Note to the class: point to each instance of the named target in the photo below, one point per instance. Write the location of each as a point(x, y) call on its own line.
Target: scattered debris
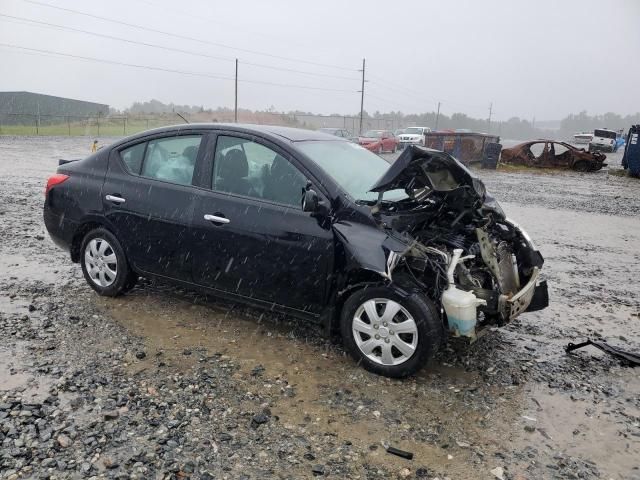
point(498, 472)
point(397, 451)
point(633, 359)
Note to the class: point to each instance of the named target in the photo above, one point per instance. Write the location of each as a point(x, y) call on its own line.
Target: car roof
point(275, 131)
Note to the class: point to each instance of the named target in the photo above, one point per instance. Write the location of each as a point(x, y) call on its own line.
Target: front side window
point(244, 167)
point(172, 159)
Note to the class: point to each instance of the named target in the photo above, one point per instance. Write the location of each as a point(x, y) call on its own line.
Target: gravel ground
point(168, 384)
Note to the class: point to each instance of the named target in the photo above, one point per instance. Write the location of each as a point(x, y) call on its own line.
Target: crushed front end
point(480, 267)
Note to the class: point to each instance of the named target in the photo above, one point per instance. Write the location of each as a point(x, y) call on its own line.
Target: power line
point(185, 37)
point(210, 20)
point(415, 94)
point(173, 49)
point(170, 70)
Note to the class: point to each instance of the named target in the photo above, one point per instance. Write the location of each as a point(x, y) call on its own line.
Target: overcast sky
point(541, 59)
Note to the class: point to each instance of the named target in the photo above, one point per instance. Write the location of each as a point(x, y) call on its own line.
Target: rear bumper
point(61, 229)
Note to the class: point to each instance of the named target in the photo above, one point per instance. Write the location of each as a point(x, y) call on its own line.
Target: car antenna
point(185, 120)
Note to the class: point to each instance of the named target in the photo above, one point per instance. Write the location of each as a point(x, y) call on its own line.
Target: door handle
point(216, 219)
point(114, 199)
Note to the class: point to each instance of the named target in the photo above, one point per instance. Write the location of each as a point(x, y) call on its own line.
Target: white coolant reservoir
point(460, 305)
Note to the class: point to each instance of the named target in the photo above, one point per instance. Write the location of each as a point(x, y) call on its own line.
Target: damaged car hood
point(419, 167)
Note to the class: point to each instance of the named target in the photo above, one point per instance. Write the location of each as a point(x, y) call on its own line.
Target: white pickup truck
point(603, 140)
point(413, 136)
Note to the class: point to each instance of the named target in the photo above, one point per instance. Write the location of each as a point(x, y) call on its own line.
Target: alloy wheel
point(384, 331)
point(100, 262)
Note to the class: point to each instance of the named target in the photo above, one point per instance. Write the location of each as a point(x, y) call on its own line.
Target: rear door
point(251, 237)
point(148, 200)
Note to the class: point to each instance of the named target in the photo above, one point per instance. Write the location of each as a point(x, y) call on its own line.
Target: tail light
point(54, 180)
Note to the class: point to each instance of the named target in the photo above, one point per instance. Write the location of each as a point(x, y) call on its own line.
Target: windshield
point(604, 134)
point(352, 167)
point(414, 131)
point(373, 133)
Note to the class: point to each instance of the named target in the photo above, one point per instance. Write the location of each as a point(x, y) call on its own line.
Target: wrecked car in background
point(467, 147)
point(303, 223)
point(551, 154)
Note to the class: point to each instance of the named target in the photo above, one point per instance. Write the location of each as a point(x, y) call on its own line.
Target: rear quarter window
point(132, 157)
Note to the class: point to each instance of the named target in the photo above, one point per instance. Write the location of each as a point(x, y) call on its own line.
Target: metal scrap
point(633, 359)
point(397, 451)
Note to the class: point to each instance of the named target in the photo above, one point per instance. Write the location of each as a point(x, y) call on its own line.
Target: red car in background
point(379, 141)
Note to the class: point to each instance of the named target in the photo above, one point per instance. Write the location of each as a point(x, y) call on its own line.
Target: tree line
point(513, 128)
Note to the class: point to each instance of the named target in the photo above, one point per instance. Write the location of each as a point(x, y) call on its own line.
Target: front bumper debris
point(521, 301)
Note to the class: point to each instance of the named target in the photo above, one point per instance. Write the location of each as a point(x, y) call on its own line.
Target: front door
point(251, 237)
point(148, 201)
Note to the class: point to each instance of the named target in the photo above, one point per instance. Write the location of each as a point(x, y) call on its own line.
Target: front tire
point(581, 166)
point(104, 264)
point(390, 333)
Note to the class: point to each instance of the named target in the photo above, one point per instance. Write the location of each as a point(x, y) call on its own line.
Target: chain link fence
point(122, 125)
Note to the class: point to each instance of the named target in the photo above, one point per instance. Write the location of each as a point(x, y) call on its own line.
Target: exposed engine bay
point(461, 250)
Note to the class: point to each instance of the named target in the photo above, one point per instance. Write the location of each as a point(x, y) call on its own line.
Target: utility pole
point(490, 112)
point(236, 102)
point(437, 116)
point(362, 97)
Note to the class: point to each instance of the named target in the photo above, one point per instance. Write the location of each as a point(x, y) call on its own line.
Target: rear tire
point(104, 264)
point(396, 342)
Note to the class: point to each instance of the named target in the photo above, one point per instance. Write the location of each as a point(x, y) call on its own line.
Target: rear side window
point(132, 157)
point(172, 159)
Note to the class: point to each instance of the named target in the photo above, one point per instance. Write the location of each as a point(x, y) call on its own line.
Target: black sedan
point(304, 223)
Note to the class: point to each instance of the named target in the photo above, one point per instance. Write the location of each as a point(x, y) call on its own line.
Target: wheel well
point(355, 281)
point(76, 242)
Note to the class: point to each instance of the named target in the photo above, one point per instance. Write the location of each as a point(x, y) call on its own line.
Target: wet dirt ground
point(166, 383)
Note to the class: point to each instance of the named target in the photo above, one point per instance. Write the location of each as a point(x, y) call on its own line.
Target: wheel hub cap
point(100, 262)
point(384, 331)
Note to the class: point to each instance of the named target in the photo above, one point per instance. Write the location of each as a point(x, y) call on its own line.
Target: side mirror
point(310, 200)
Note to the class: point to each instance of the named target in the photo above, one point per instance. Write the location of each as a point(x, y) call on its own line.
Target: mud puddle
point(570, 425)
point(16, 375)
point(440, 415)
point(15, 266)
